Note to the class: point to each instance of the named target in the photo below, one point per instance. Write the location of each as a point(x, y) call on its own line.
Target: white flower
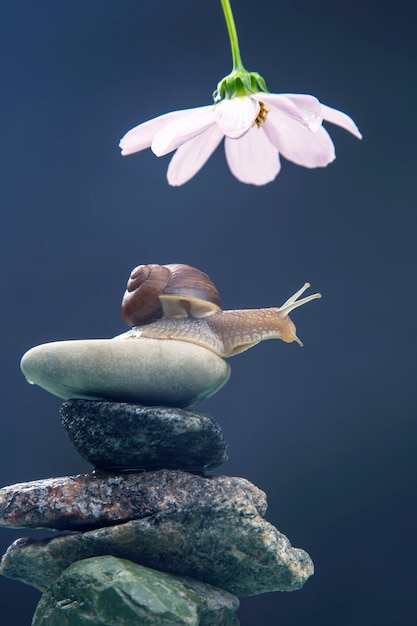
point(257, 128)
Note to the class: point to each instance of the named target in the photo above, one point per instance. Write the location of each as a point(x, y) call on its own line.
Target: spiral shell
point(176, 290)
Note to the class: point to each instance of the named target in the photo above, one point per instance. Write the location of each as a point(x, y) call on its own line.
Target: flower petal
point(296, 143)
point(180, 130)
point(141, 136)
point(301, 107)
point(341, 119)
point(235, 116)
point(252, 158)
point(192, 155)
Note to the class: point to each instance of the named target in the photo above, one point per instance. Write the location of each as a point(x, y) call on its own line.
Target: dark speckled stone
point(113, 435)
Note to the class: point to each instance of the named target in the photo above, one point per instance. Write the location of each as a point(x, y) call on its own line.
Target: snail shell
point(175, 290)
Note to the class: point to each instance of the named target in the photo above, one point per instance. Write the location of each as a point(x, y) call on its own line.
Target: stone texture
point(94, 500)
point(107, 591)
point(153, 437)
point(230, 546)
point(125, 369)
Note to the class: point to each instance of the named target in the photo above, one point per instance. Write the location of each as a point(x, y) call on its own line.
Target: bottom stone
point(107, 591)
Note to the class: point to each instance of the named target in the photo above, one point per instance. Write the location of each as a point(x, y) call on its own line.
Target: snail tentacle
point(293, 302)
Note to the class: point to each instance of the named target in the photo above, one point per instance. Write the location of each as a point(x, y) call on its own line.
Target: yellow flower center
point(262, 115)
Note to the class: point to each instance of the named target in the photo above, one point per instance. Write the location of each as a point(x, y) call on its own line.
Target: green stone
point(108, 591)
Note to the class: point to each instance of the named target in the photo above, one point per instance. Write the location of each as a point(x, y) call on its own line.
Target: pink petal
point(180, 130)
point(252, 158)
point(140, 137)
point(296, 143)
point(301, 107)
point(192, 155)
point(235, 116)
point(341, 119)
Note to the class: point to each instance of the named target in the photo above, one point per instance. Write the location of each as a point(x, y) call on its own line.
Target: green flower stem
point(234, 42)
point(239, 82)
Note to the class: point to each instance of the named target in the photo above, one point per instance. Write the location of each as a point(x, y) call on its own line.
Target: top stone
point(125, 369)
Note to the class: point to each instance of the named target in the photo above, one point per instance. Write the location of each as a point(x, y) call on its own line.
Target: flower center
point(262, 115)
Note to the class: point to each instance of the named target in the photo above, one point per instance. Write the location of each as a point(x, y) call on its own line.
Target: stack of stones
point(151, 535)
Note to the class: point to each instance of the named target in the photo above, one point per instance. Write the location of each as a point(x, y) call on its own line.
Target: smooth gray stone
point(230, 546)
point(112, 435)
point(91, 501)
point(107, 591)
point(127, 369)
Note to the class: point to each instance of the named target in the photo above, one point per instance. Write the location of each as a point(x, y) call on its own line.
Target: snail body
point(175, 312)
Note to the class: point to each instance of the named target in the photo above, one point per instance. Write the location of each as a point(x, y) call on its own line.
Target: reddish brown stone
point(95, 500)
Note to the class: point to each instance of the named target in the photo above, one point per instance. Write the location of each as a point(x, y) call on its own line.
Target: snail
point(180, 302)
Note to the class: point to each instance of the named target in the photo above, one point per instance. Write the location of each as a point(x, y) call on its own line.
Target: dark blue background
point(328, 431)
